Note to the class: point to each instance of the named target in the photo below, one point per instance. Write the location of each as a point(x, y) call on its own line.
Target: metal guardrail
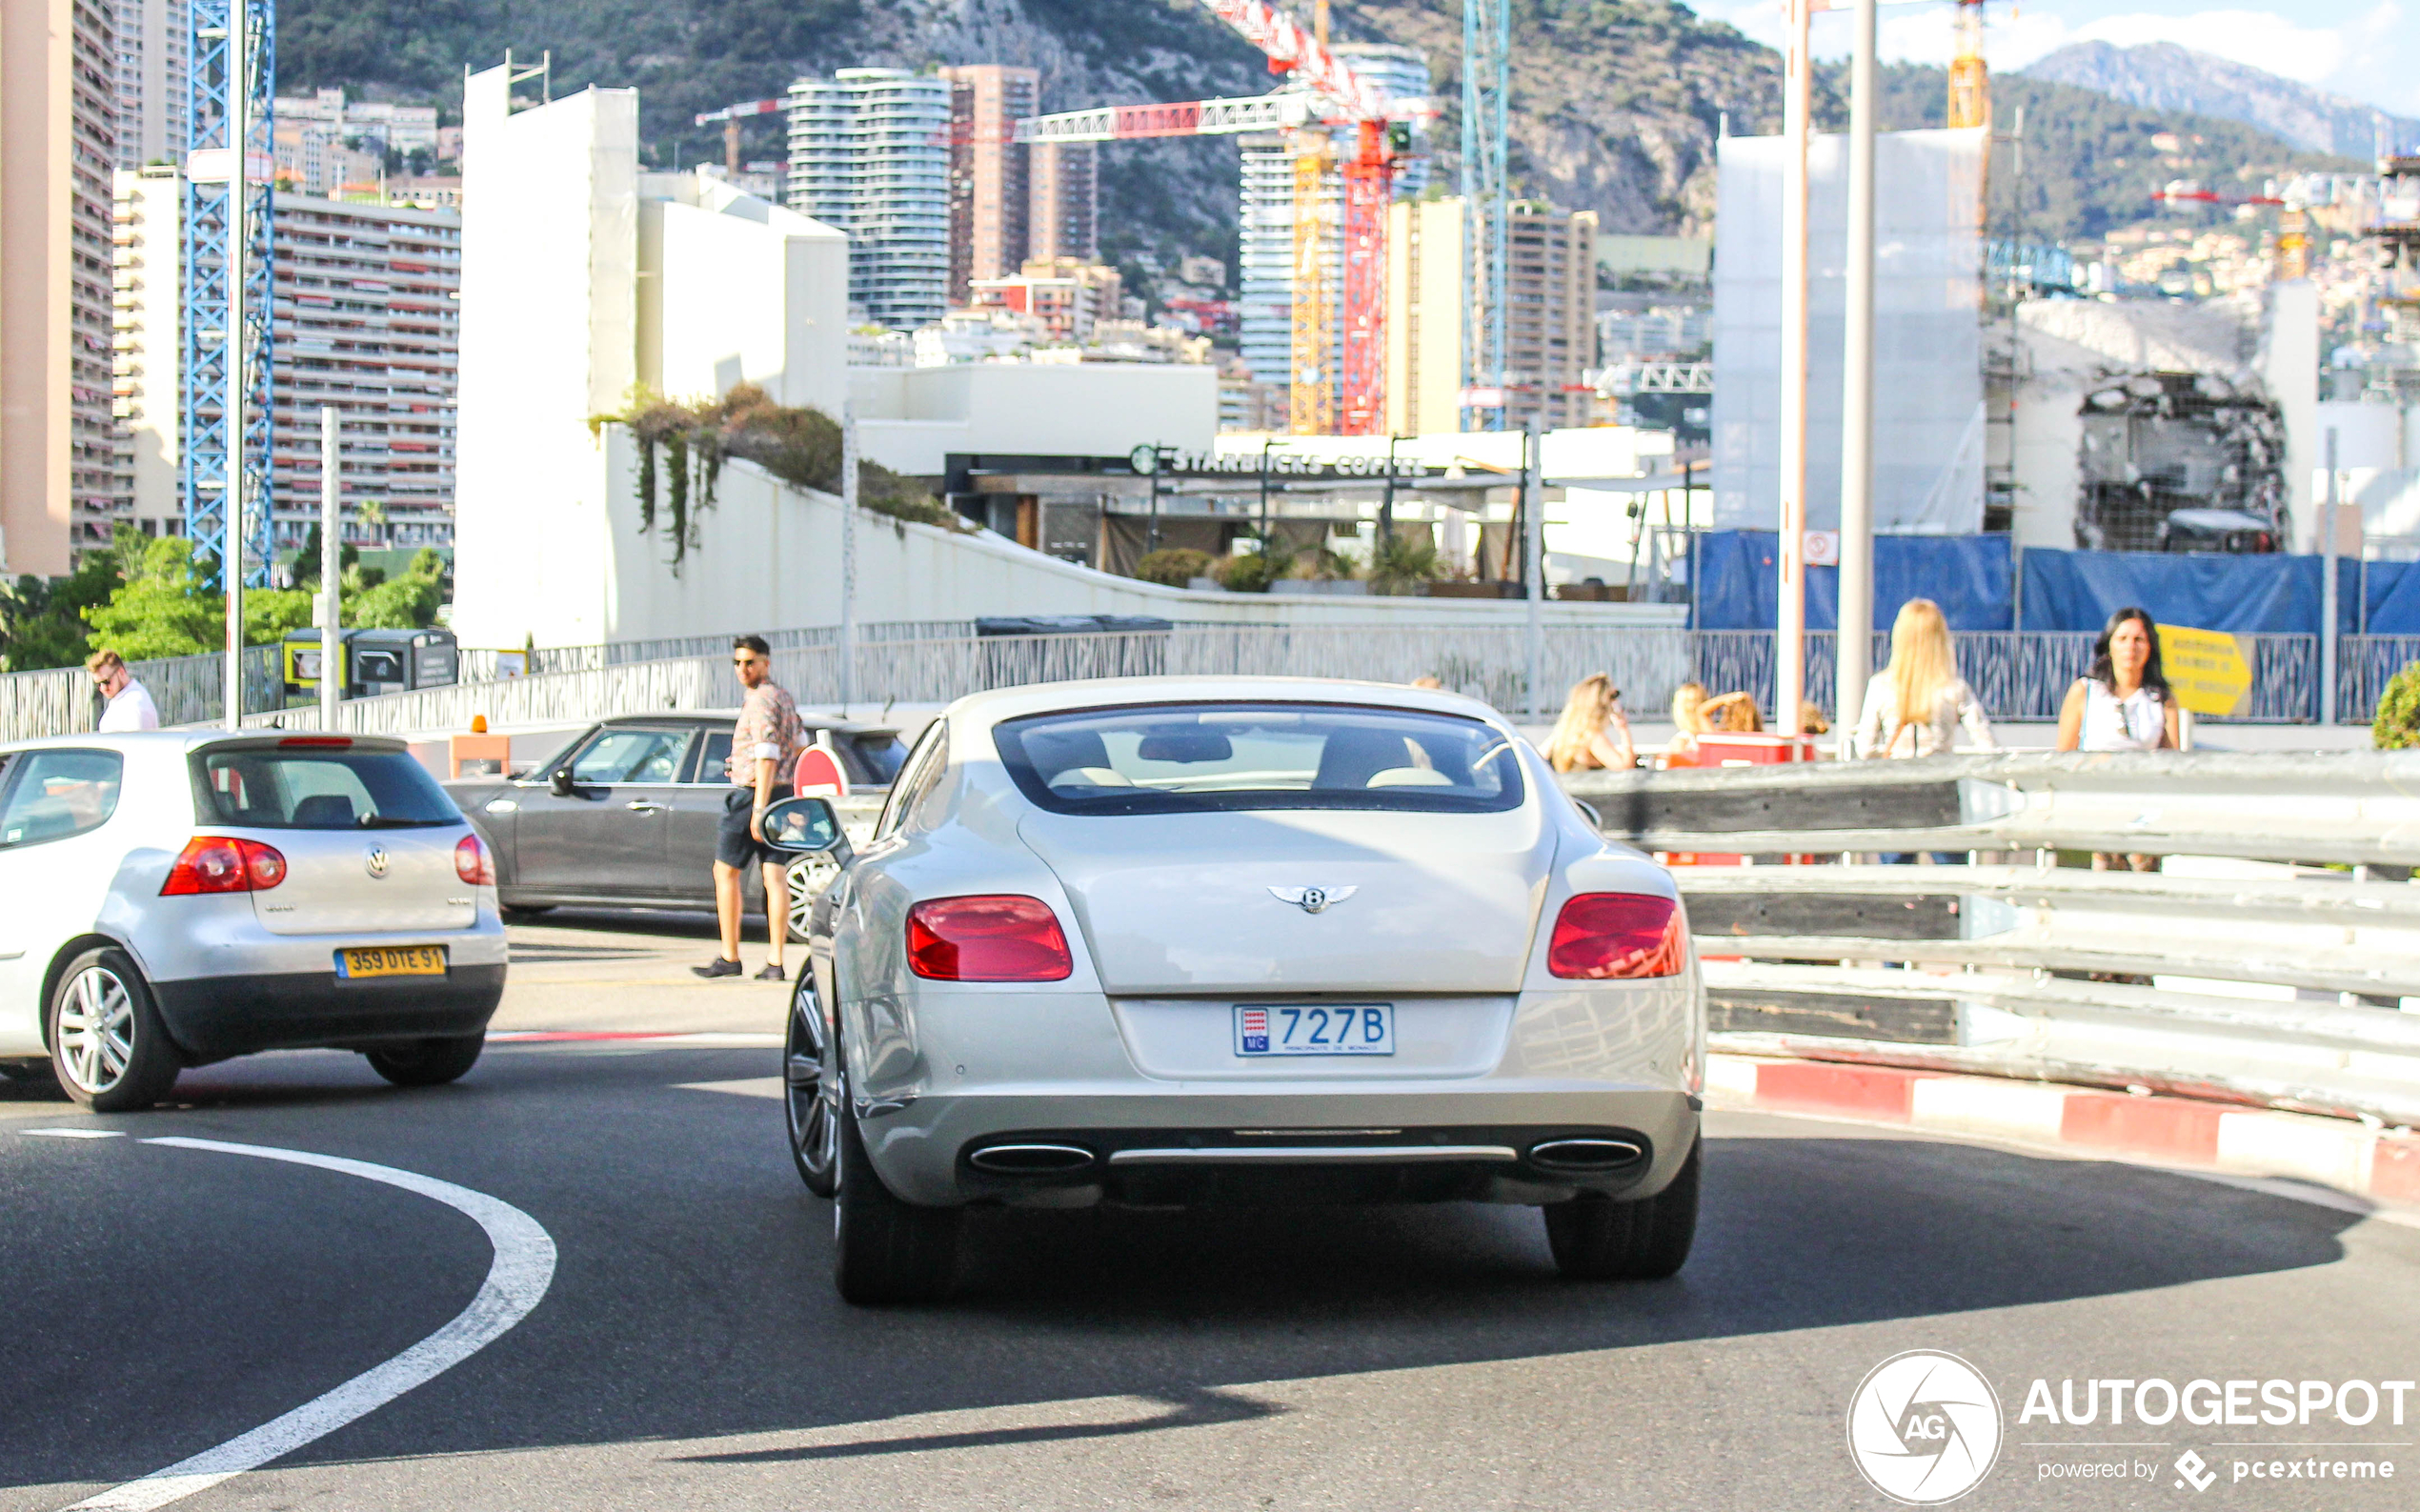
point(2276, 958)
point(1488, 663)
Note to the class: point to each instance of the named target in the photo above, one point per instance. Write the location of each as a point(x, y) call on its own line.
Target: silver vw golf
point(1214, 939)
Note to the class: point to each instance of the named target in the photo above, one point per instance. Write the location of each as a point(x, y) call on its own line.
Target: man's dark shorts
point(733, 844)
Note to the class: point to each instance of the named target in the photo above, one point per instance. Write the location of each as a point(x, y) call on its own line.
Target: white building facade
point(870, 156)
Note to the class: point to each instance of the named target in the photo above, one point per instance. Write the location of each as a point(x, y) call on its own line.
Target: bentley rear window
point(1174, 758)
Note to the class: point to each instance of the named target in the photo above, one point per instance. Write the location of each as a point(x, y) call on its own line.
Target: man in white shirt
point(129, 705)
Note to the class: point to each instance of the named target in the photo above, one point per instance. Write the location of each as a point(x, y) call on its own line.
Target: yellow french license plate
point(392, 961)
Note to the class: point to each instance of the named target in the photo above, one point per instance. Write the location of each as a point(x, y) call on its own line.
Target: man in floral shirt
point(764, 749)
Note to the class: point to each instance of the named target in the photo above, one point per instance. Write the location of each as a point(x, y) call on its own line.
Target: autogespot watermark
point(1926, 1428)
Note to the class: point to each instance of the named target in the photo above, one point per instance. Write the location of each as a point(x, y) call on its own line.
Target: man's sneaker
point(720, 967)
point(770, 972)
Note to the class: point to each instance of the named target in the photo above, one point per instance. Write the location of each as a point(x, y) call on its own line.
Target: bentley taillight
point(1618, 934)
point(987, 937)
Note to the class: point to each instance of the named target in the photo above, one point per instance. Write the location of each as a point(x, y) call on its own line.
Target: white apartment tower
point(870, 155)
point(147, 349)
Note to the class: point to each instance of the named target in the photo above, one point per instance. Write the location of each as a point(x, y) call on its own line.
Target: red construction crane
point(730, 115)
point(1326, 94)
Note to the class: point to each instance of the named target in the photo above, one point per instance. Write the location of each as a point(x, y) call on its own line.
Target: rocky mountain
point(2165, 77)
point(1616, 103)
point(1615, 108)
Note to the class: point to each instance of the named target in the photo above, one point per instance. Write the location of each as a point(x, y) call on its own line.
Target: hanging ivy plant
point(798, 445)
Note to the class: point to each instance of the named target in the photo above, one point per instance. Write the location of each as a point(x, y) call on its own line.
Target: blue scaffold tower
point(1486, 203)
point(226, 483)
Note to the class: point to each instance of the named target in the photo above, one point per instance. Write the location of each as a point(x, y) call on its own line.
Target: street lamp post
point(1854, 643)
point(1789, 640)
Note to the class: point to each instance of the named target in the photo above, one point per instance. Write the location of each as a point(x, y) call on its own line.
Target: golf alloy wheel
point(808, 877)
point(96, 1029)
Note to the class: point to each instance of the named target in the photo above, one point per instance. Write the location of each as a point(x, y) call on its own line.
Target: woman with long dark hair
point(2123, 703)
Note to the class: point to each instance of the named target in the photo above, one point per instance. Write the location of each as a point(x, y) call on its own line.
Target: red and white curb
point(2381, 1164)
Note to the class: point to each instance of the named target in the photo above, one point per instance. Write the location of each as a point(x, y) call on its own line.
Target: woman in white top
point(1919, 704)
point(2123, 703)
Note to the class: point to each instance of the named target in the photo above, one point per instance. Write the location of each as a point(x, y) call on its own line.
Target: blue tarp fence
point(1974, 580)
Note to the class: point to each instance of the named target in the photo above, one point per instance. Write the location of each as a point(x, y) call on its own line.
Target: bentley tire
point(1596, 1239)
point(885, 1251)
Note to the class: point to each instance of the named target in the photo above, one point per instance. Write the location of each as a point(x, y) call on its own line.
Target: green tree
point(168, 606)
point(2398, 724)
point(41, 620)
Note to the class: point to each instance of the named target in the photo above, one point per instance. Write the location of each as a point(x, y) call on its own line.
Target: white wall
point(769, 557)
point(550, 245)
point(733, 289)
point(2290, 367)
point(1928, 437)
point(910, 419)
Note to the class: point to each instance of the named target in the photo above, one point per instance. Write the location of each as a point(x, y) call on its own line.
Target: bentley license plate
point(1315, 1029)
point(390, 960)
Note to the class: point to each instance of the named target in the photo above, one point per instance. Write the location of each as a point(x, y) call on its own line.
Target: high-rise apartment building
point(990, 186)
point(1426, 297)
point(870, 155)
point(152, 43)
point(1549, 315)
point(1265, 261)
point(58, 459)
point(1064, 220)
point(1550, 297)
point(366, 321)
point(147, 356)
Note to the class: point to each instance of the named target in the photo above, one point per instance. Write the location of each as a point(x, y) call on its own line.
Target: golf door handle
point(644, 806)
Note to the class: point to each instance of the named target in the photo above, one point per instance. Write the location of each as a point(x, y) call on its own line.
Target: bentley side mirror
point(804, 827)
point(559, 782)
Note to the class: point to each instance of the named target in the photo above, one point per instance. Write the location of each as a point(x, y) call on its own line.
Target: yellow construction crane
point(1969, 83)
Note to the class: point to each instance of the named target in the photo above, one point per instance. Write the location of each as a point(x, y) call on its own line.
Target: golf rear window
point(317, 788)
point(1175, 758)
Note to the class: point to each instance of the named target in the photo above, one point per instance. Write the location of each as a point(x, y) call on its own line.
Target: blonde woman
point(1688, 721)
point(1919, 704)
point(1580, 741)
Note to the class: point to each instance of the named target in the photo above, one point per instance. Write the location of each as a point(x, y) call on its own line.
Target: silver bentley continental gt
point(1181, 940)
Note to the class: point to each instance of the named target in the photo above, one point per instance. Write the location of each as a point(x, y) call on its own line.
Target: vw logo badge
point(373, 861)
point(1312, 899)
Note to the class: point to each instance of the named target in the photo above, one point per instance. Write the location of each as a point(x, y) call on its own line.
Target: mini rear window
point(1176, 759)
point(317, 788)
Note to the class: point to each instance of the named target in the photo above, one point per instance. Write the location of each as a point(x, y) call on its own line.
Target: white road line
point(523, 1268)
point(76, 1133)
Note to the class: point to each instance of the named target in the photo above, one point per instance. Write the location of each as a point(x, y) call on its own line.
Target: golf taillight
point(471, 862)
point(1618, 934)
point(224, 863)
point(991, 937)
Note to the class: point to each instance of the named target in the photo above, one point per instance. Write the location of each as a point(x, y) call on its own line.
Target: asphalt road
point(690, 1352)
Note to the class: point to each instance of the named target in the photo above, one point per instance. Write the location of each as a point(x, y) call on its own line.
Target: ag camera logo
point(1924, 1427)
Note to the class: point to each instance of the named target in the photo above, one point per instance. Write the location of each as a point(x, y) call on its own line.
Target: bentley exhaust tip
point(1030, 1159)
point(1590, 1157)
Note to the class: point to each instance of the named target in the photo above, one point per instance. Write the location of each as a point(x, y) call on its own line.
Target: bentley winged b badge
point(1312, 899)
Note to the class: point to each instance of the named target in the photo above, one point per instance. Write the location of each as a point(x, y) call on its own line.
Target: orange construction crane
point(730, 115)
point(1323, 100)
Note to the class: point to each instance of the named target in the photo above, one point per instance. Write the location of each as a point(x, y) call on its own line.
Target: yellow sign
point(2207, 670)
